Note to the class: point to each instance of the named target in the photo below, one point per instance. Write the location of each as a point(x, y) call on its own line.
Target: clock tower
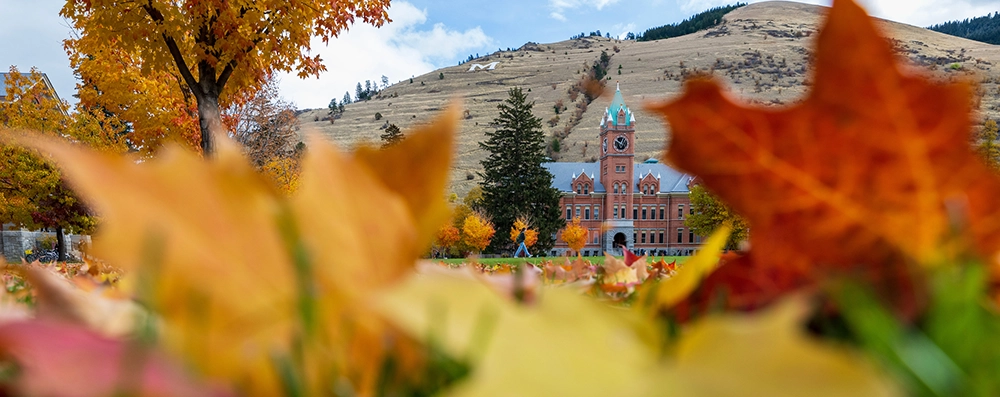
point(617, 139)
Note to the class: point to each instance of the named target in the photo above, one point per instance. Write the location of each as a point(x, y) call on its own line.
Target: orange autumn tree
point(220, 50)
point(157, 106)
point(574, 235)
point(447, 237)
point(530, 234)
point(477, 231)
point(869, 173)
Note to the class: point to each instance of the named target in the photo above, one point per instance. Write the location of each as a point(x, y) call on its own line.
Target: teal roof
point(618, 104)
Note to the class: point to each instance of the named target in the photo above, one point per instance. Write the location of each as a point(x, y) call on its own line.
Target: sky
point(428, 34)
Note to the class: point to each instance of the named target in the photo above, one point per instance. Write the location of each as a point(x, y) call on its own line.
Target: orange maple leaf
point(862, 172)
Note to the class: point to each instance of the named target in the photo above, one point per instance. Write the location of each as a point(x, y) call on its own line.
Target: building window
point(691, 209)
point(643, 212)
point(644, 237)
point(586, 189)
point(616, 212)
point(690, 236)
point(578, 188)
point(624, 188)
point(623, 212)
point(661, 212)
point(680, 211)
point(586, 213)
point(661, 236)
point(680, 235)
point(578, 211)
point(635, 237)
point(635, 212)
point(569, 213)
point(597, 212)
point(616, 188)
point(596, 237)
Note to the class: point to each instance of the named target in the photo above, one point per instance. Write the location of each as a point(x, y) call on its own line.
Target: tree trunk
point(61, 243)
point(210, 120)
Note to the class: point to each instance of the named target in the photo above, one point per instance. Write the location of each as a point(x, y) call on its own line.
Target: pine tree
point(391, 136)
point(514, 181)
point(988, 147)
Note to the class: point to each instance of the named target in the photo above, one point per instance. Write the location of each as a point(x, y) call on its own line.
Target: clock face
point(605, 145)
point(621, 143)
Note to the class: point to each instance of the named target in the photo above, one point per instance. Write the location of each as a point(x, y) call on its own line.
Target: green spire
point(618, 103)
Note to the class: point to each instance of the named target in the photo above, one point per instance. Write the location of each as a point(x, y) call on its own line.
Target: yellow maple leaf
point(764, 354)
point(244, 277)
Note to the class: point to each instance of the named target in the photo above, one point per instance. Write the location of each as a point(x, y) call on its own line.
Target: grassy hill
point(760, 50)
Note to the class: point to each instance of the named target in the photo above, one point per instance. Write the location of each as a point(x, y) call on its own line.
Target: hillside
point(760, 50)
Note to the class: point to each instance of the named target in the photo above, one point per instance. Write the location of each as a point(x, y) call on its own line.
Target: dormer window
point(578, 188)
point(586, 189)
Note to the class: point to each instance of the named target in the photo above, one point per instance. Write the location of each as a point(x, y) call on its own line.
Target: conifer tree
point(391, 136)
point(988, 147)
point(514, 181)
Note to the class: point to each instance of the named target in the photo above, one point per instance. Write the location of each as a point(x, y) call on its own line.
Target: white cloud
point(914, 12)
point(559, 6)
point(397, 50)
point(624, 30)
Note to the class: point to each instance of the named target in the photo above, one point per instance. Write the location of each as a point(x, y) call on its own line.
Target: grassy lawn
point(538, 259)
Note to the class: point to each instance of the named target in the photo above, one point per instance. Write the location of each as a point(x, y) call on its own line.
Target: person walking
point(520, 246)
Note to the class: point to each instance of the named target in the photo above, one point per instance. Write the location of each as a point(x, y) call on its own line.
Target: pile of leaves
point(874, 231)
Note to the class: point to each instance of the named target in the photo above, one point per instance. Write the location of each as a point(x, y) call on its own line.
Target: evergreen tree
point(391, 136)
point(514, 181)
point(346, 100)
point(988, 147)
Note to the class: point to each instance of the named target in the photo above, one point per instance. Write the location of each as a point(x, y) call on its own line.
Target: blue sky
point(428, 34)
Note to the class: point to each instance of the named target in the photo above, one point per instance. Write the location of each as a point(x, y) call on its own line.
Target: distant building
point(640, 206)
point(50, 90)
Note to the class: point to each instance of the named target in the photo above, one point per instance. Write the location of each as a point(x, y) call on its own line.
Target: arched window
point(586, 188)
point(624, 188)
point(578, 188)
point(616, 188)
point(645, 189)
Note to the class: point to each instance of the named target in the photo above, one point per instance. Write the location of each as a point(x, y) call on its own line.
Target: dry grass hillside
point(761, 51)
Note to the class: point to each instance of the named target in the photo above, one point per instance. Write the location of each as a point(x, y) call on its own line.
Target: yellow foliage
point(477, 231)
point(574, 235)
point(247, 280)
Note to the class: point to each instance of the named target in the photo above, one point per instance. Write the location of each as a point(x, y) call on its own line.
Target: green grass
point(539, 259)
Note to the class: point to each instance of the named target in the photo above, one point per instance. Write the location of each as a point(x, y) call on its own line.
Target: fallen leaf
point(762, 354)
point(65, 360)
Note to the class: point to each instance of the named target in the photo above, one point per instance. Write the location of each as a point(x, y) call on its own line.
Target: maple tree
point(477, 231)
point(447, 237)
point(156, 105)
point(574, 235)
point(220, 51)
point(32, 192)
point(710, 213)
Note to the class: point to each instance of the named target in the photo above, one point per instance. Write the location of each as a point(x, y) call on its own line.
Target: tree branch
point(175, 51)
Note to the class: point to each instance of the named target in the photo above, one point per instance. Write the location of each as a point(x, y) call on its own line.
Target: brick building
point(640, 206)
